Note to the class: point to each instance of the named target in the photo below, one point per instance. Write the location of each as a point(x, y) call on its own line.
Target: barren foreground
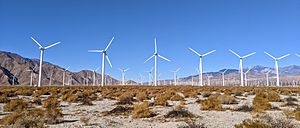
point(143, 107)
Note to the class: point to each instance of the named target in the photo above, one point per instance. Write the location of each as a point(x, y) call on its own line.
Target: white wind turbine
point(94, 75)
point(150, 76)
point(64, 75)
point(223, 77)
point(175, 76)
point(155, 55)
point(50, 80)
point(241, 64)
point(200, 64)
point(123, 75)
point(276, 66)
point(31, 70)
point(42, 49)
point(104, 55)
point(246, 80)
point(267, 76)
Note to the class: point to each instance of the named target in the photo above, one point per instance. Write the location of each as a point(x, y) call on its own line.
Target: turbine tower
point(155, 55)
point(246, 80)
point(150, 75)
point(175, 76)
point(123, 75)
point(241, 64)
point(276, 66)
point(42, 49)
point(104, 55)
point(64, 75)
point(31, 70)
point(200, 64)
point(223, 77)
point(267, 76)
point(94, 75)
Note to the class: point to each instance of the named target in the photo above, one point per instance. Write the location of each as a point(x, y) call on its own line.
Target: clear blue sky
point(241, 25)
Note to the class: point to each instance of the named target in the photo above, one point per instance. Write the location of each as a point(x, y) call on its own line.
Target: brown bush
point(119, 110)
point(15, 104)
point(179, 112)
point(125, 98)
point(273, 97)
point(161, 100)
point(252, 124)
point(51, 103)
point(297, 115)
point(85, 120)
point(261, 103)
point(141, 96)
point(4, 99)
point(142, 110)
point(211, 104)
point(177, 97)
point(226, 99)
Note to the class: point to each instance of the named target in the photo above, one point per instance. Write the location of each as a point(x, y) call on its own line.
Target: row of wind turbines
point(155, 56)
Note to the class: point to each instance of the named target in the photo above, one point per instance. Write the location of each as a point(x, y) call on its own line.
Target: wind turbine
point(276, 65)
point(123, 75)
point(94, 75)
point(50, 80)
point(241, 64)
point(64, 74)
point(267, 76)
point(31, 70)
point(155, 55)
point(223, 77)
point(150, 75)
point(104, 55)
point(42, 49)
point(175, 76)
point(200, 63)
point(246, 80)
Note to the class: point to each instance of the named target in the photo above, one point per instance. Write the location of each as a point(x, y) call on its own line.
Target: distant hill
point(12, 64)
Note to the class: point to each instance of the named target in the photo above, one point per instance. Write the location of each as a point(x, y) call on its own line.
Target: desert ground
point(149, 107)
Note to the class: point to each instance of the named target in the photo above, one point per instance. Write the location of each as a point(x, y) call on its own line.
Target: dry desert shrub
point(273, 97)
point(51, 103)
point(211, 104)
point(69, 97)
point(179, 112)
point(35, 118)
point(24, 92)
point(142, 110)
point(119, 110)
point(141, 96)
point(161, 100)
point(245, 108)
point(85, 120)
point(191, 123)
point(125, 98)
point(177, 97)
point(205, 93)
point(252, 124)
point(297, 115)
point(15, 104)
point(4, 99)
point(261, 103)
point(226, 99)
point(290, 101)
point(288, 113)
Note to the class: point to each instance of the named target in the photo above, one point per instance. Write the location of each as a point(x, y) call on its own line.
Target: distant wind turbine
point(31, 70)
point(200, 63)
point(241, 64)
point(267, 77)
point(276, 66)
point(64, 75)
point(94, 75)
point(123, 75)
point(42, 49)
point(223, 77)
point(246, 80)
point(150, 75)
point(175, 76)
point(104, 55)
point(155, 55)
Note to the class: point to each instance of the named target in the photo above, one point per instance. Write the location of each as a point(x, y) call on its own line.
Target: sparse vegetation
point(119, 110)
point(15, 104)
point(261, 103)
point(211, 104)
point(252, 124)
point(142, 110)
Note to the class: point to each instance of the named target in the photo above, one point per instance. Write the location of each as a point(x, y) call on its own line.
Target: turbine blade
point(297, 55)
point(107, 58)
point(194, 51)
point(270, 55)
point(97, 69)
point(155, 47)
point(149, 58)
point(67, 68)
point(283, 56)
point(177, 69)
point(109, 43)
point(164, 58)
point(95, 50)
point(52, 45)
point(208, 53)
point(126, 70)
point(249, 55)
point(235, 53)
point(36, 42)
point(225, 71)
